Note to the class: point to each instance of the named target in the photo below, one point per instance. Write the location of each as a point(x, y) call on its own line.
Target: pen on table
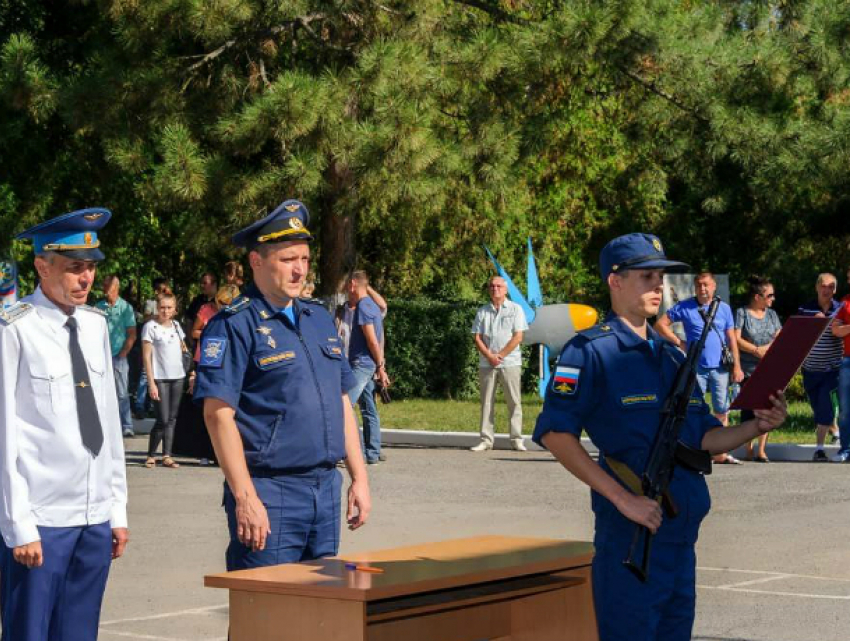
point(363, 568)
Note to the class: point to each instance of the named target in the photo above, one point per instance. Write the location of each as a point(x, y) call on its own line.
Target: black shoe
point(382, 457)
point(820, 457)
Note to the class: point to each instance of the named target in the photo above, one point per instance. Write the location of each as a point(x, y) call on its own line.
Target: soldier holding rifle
point(612, 381)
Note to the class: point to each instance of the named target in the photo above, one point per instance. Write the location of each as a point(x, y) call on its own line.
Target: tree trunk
point(337, 255)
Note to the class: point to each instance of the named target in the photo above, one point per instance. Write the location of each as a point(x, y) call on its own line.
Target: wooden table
point(490, 587)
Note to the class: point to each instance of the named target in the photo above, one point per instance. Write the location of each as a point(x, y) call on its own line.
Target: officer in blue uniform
point(274, 380)
point(612, 381)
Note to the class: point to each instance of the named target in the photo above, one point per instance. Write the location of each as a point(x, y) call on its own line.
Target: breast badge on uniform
point(266, 331)
point(212, 351)
point(565, 380)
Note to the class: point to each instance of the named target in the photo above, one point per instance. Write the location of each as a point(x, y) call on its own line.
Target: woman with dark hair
point(756, 327)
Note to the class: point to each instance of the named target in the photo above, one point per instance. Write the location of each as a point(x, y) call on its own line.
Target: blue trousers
point(363, 393)
point(662, 609)
point(844, 404)
point(59, 601)
point(304, 517)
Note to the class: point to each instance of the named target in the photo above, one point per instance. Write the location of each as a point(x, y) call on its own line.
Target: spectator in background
point(209, 287)
point(190, 436)
point(149, 310)
point(756, 327)
point(121, 323)
point(234, 273)
point(162, 351)
point(309, 288)
point(841, 329)
point(712, 376)
point(344, 315)
point(497, 331)
point(821, 367)
point(366, 357)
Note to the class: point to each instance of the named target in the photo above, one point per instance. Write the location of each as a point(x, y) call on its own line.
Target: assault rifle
point(667, 451)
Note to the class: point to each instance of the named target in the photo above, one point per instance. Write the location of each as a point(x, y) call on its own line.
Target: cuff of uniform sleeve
point(119, 516)
point(225, 395)
point(543, 428)
point(21, 534)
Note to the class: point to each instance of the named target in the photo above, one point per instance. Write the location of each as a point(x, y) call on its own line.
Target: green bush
point(430, 352)
point(795, 390)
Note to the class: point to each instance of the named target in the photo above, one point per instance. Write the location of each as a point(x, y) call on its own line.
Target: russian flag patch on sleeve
point(565, 379)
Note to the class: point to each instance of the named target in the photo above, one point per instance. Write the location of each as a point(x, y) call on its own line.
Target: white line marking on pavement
point(165, 615)
point(766, 579)
point(781, 574)
point(799, 595)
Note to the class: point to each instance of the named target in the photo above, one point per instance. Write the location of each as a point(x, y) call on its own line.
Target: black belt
point(268, 472)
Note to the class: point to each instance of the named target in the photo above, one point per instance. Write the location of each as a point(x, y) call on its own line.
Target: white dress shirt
point(47, 476)
point(497, 327)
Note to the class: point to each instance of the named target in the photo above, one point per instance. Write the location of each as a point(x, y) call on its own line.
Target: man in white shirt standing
point(63, 488)
point(498, 329)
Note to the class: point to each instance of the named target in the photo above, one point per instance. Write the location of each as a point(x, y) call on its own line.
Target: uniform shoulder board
point(89, 308)
point(240, 304)
point(311, 301)
point(14, 313)
point(597, 331)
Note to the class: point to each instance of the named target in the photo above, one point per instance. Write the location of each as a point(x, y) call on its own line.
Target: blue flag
point(535, 296)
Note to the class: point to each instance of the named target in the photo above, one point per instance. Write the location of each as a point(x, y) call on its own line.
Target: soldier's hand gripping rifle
point(667, 451)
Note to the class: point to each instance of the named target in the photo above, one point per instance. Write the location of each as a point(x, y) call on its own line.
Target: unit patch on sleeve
point(565, 379)
point(212, 351)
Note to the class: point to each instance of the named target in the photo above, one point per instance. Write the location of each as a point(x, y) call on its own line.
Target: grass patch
point(464, 416)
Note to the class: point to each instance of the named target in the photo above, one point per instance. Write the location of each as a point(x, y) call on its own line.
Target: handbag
point(186, 356)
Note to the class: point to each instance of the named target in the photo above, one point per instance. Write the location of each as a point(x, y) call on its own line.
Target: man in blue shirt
point(712, 376)
point(612, 381)
point(274, 383)
point(121, 322)
point(366, 357)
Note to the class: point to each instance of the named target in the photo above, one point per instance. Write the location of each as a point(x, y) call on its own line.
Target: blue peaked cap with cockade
point(289, 221)
point(73, 234)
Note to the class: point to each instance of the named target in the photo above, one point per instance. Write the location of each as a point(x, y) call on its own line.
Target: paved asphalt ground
point(774, 555)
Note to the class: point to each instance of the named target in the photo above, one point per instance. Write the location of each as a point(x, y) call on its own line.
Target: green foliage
point(417, 130)
point(431, 353)
point(795, 390)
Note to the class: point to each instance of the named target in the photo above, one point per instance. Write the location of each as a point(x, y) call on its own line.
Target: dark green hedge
point(430, 352)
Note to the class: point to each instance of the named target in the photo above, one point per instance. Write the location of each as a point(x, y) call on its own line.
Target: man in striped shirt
point(821, 367)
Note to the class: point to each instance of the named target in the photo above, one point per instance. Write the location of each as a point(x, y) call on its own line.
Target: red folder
point(785, 356)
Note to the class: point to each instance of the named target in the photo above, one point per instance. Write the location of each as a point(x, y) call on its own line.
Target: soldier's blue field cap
point(636, 251)
point(73, 234)
point(288, 222)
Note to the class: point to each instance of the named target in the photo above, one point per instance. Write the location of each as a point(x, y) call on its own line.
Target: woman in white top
point(162, 353)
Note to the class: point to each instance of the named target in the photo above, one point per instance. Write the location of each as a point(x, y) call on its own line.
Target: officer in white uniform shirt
point(63, 488)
